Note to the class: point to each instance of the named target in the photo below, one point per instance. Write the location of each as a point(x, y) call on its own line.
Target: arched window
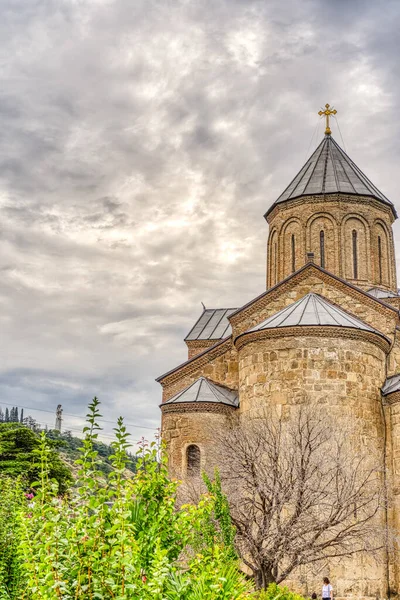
point(380, 258)
point(293, 254)
point(355, 258)
point(193, 460)
point(275, 263)
point(322, 248)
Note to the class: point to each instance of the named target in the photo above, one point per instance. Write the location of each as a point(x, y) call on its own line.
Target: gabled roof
point(313, 310)
point(378, 293)
point(392, 384)
point(213, 324)
point(312, 266)
point(329, 171)
point(204, 390)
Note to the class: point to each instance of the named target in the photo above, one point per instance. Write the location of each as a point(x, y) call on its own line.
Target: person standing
point(327, 590)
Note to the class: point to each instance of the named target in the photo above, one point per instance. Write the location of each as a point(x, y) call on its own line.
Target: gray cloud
point(141, 144)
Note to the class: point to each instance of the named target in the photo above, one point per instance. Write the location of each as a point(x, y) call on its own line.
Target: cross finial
point(327, 113)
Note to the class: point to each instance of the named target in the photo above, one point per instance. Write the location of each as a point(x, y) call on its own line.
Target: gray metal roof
point(328, 171)
point(312, 310)
point(378, 293)
point(213, 324)
point(204, 390)
point(392, 384)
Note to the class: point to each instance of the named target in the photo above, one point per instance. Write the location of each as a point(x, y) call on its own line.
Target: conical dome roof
point(204, 390)
point(329, 171)
point(309, 311)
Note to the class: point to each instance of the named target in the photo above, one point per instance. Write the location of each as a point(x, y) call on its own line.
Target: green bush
point(18, 458)
point(125, 540)
point(12, 502)
point(276, 592)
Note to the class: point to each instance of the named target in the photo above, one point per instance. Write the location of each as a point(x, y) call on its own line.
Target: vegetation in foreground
point(115, 537)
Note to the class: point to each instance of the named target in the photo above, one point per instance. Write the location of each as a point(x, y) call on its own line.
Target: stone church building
point(327, 327)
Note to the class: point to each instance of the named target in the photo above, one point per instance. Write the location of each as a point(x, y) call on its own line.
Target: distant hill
point(68, 446)
point(18, 442)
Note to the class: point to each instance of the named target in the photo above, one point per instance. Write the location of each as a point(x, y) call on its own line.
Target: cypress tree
point(1, 416)
point(21, 419)
point(16, 416)
point(7, 417)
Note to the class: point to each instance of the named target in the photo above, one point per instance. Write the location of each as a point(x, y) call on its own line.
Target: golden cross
point(327, 112)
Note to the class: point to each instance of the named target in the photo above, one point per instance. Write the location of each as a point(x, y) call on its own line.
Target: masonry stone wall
point(220, 365)
point(344, 377)
point(203, 428)
point(326, 226)
point(196, 347)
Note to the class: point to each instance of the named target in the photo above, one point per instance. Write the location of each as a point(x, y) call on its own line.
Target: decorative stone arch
point(356, 248)
point(193, 459)
point(273, 258)
point(382, 255)
point(292, 247)
point(323, 240)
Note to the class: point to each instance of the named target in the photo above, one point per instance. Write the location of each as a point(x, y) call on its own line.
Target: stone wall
point(344, 377)
point(202, 427)
point(219, 364)
point(297, 226)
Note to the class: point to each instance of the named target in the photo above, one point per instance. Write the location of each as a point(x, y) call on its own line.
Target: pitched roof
point(328, 171)
point(309, 266)
point(213, 324)
point(378, 293)
point(312, 309)
point(204, 390)
point(392, 384)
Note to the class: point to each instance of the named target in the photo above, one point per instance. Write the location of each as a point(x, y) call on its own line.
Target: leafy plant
point(127, 539)
point(18, 458)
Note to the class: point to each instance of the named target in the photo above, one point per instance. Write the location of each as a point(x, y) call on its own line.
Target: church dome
point(333, 214)
point(330, 171)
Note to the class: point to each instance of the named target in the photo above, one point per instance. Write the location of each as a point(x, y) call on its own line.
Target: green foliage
point(127, 539)
point(222, 526)
point(276, 592)
point(18, 445)
point(12, 502)
point(69, 445)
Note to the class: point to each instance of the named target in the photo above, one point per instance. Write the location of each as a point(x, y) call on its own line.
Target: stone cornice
point(187, 407)
point(328, 331)
point(392, 398)
point(299, 276)
point(339, 198)
point(196, 362)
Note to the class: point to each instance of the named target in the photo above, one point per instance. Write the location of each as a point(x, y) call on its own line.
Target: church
point(326, 329)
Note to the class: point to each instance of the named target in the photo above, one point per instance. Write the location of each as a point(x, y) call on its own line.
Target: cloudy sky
point(141, 141)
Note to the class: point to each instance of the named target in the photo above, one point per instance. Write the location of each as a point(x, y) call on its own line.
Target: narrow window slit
point(193, 460)
point(355, 258)
point(322, 248)
point(380, 258)
point(293, 254)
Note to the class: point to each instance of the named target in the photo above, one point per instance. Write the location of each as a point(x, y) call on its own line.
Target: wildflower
point(29, 496)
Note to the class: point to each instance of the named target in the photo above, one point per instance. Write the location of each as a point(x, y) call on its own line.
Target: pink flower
point(29, 496)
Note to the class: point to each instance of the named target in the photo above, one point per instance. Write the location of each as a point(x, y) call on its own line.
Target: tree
point(7, 416)
point(21, 419)
point(299, 493)
point(18, 446)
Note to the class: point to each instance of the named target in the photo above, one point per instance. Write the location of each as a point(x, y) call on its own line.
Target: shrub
point(126, 539)
point(276, 592)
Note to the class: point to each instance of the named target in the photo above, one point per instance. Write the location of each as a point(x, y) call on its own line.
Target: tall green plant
point(124, 540)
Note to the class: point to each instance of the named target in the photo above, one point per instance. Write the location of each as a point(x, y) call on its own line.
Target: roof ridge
point(312, 179)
